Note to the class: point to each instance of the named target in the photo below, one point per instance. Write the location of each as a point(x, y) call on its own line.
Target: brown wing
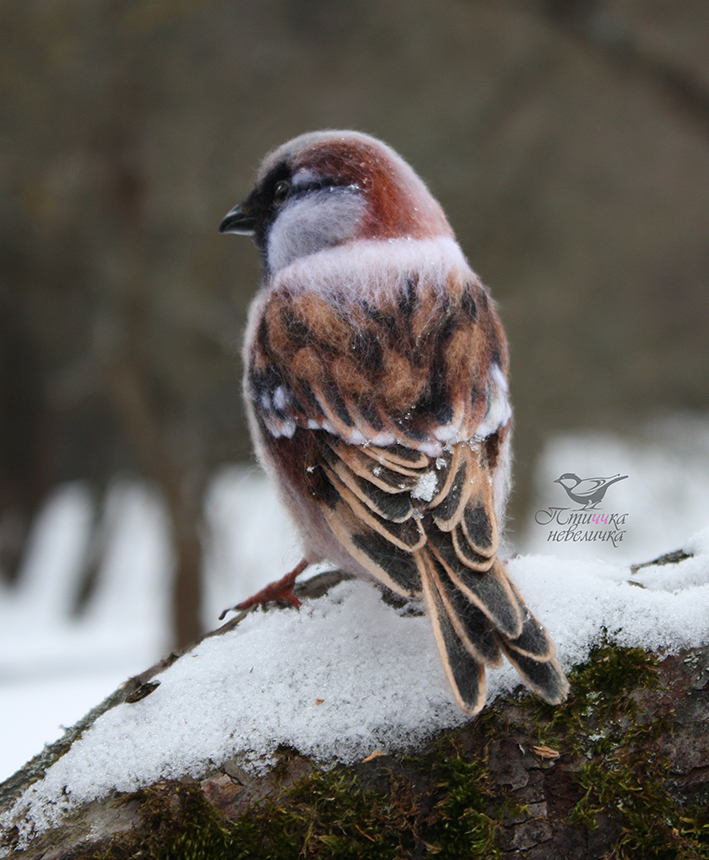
point(421, 368)
point(446, 548)
point(405, 406)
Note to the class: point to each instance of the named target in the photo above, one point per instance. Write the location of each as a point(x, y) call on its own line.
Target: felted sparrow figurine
point(377, 397)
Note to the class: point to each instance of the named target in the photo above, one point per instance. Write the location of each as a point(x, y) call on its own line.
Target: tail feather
point(490, 591)
point(425, 525)
point(469, 640)
point(545, 678)
point(470, 623)
point(533, 641)
point(466, 675)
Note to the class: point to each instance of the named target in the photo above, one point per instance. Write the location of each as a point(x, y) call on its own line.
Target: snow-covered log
point(330, 731)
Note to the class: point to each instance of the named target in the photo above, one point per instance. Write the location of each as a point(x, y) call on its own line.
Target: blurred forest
point(568, 141)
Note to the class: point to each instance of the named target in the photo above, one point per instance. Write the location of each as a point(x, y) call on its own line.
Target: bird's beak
point(240, 219)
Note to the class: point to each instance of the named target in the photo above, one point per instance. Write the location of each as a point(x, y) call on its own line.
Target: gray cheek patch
point(310, 224)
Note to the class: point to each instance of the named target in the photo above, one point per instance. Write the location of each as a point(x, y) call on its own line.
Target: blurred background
point(568, 141)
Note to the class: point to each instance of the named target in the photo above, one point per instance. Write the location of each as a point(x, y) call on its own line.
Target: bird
point(376, 390)
point(588, 492)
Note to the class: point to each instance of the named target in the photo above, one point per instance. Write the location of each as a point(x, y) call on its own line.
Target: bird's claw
point(279, 592)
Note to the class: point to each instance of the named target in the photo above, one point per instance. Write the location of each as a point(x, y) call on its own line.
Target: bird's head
point(329, 188)
point(568, 479)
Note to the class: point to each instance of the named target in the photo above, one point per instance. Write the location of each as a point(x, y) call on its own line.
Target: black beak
point(241, 219)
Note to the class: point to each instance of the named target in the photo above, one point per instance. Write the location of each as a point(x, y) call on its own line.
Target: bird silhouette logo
point(587, 492)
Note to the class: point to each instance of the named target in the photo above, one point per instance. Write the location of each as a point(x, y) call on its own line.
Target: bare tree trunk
point(182, 496)
point(129, 379)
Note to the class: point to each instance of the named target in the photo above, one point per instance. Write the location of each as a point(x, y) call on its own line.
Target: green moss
point(463, 827)
point(625, 771)
point(323, 815)
point(178, 823)
point(602, 691)
point(441, 803)
point(327, 815)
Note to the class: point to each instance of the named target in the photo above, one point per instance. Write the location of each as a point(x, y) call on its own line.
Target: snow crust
point(348, 675)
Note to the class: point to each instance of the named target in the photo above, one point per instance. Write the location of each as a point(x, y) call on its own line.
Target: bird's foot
point(280, 591)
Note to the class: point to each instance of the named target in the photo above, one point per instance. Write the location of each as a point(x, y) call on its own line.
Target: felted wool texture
point(419, 351)
point(372, 269)
point(376, 383)
point(305, 226)
point(398, 201)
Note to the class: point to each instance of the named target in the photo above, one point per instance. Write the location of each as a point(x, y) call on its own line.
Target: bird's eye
point(280, 192)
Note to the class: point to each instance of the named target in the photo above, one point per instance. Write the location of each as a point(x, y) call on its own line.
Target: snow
point(319, 679)
point(426, 486)
point(346, 675)
point(660, 608)
point(55, 667)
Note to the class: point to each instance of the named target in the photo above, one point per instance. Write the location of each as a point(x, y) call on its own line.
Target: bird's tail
point(477, 617)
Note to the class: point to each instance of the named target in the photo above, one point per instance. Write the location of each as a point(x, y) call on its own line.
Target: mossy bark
point(621, 770)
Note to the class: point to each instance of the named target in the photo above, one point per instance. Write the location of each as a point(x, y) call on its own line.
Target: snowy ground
point(54, 668)
point(347, 676)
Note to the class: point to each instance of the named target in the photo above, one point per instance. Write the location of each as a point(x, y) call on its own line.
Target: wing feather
point(397, 568)
point(407, 535)
point(387, 479)
point(479, 524)
point(447, 468)
point(399, 458)
point(467, 554)
point(449, 510)
point(392, 505)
